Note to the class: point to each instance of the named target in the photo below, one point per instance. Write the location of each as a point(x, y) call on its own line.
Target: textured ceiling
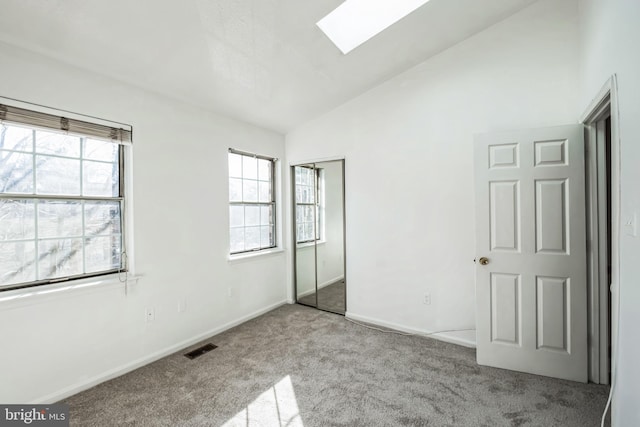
point(262, 61)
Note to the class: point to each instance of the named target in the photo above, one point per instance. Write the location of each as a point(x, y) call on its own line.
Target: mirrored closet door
point(319, 238)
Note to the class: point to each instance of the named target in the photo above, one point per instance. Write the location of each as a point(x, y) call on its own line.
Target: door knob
point(484, 261)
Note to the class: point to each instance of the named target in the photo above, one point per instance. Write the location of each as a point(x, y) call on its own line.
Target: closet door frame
point(313, 164)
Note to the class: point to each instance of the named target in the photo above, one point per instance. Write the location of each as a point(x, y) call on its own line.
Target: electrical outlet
point(150, 314)
point(229, 292)
point(182, 305)
point(427, 299)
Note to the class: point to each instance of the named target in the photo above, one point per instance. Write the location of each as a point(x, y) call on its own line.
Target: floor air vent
point(200, 351)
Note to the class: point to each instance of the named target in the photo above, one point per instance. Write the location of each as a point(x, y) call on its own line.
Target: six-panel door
point(530, 224)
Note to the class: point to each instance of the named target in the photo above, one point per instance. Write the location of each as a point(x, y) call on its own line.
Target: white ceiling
point(262, 61)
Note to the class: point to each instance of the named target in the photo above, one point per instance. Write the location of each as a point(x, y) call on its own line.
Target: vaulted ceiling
point(262, 61)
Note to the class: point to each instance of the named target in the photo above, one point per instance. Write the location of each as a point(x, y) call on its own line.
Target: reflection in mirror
point(330, 247)
point(319, 231)
point(305, 228)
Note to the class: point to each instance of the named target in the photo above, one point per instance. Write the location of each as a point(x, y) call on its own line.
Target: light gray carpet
point(299, 366)
point(331, 297)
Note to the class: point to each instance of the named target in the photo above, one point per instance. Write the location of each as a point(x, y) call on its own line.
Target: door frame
point(603, 105)
point(292, 216)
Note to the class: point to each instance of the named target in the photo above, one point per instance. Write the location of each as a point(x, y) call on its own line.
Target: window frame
point(272, 203)
point(122, 189)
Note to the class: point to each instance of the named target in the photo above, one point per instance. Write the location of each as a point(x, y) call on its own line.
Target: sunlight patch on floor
point(277, 406)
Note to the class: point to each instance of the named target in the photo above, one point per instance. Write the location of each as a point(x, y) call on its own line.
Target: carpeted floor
point(297, 366)
point(331, 297)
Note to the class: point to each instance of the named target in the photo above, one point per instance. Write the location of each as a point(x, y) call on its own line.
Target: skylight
point(356, 21)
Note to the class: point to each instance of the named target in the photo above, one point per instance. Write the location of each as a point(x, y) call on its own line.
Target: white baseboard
point(135, 364)
point(305, 293)
point(320, 286)
point(449, 337)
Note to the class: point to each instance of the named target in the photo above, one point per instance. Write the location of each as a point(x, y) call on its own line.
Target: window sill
point(251, 255)
point(37, 294)
point(309, 244)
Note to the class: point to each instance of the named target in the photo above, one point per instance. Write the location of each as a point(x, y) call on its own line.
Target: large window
point(61, 199)
point(251, 202)
point(309, 212)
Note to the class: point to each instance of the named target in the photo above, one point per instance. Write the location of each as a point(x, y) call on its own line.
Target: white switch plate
point(631, 225)
point(150, 314)
point(427, 299)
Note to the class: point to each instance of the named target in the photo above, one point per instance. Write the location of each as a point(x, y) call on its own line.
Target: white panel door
point(531, 287)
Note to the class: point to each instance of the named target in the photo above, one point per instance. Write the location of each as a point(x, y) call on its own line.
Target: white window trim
point(255, 254)
point(276, 190)
point(23, 297)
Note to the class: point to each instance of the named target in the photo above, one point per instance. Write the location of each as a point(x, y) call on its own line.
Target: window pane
point(101, 218)
point(299, 232)
point(266, 237)
point(235, 165)
point(252, 238)
point(308, 231)
point(236, 216)
point(304, 194)
point(265, 191)
point(102, 253)
point(58, 144)
point(237, 239)
point(249, 191)
point(308, 214)
point(59, 258)
point(59, 219)
point(249, 167)
point(299, 214)
point(17, 262)
point(251, 215)
point(55, 175)
point(266, 215)
point(311, 195)
point(264, 169)
point(235, 190)
point(100, 150)
point(100, 179)
point(16, 138)
point(17, 219)
point(307, 176)
point(16, 172)
point(298, 173)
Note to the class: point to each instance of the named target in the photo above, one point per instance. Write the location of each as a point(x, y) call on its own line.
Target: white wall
point(408, 145)
point(610, 33)
point(52, 345)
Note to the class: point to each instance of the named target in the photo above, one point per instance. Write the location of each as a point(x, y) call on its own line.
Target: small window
point(61, 203)
point(309, 201)
point(252, 206)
